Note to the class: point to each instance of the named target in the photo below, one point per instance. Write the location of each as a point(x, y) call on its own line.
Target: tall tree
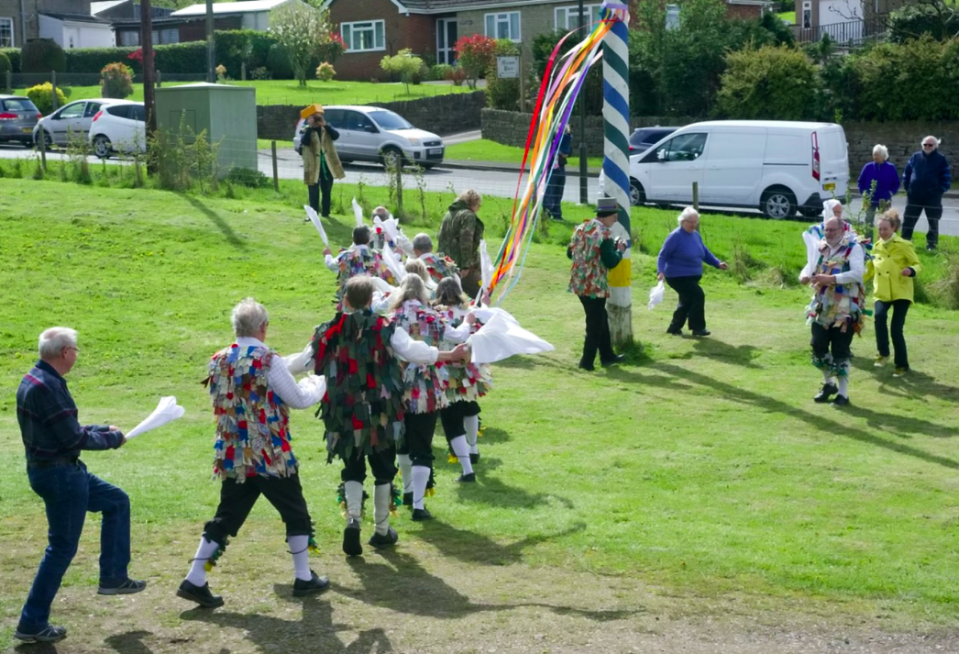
point(303, 31)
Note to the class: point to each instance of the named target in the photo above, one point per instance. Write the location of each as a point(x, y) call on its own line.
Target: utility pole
point(146, 42)
point(210, 46)
point(583, 168)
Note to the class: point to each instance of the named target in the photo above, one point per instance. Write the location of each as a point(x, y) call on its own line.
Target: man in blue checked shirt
point(53, 439)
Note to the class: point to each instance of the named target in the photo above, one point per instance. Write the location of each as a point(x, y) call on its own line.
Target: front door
point(446, 35)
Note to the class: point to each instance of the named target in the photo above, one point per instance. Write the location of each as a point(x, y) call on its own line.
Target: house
point(68, 22)
point(845, 21)
point(374, 28)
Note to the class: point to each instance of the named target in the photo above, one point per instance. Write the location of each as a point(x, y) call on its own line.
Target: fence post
point(243, 71)
point(159, 79)
point(10, 81)
point(696, 196)
point(43, 149)
point(399, 182)
point(276, 178)
point(53, 94)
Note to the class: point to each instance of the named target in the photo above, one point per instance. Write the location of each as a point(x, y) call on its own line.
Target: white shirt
point(298, 396)
point(857, 265)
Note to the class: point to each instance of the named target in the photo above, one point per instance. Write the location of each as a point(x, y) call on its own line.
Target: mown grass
point(486, 150)
point(705, 471)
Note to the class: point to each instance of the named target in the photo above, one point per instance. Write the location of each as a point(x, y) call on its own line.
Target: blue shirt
point(886, 178)
point(683, 254)
point(48, 419)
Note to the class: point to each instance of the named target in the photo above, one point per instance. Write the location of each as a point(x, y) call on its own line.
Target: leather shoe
point(388, 539)
point(701, 332)
point(619, 358)
point(419, 515)
point(471, 477)
point(587, 366)
point(199, 594)
point(674, 332)
point(825, 392)
point(839, 400)
point(315, 585)
point(351, 538)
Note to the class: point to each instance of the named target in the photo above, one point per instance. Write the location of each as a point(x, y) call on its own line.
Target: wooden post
point(10, 81)
point(522, 82)
point(243, 70)
point(43, 149)
point(159, 79)
point(696, 196)
point(276, 177)
point(399, 182)
point(53, 90)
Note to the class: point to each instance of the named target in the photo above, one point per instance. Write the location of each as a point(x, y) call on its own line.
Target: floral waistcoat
point(425, 384)
point(467, 381)
point(587, 276)
point(359, 261)
point(439, 266)
point(252, 422)
point(836, 305)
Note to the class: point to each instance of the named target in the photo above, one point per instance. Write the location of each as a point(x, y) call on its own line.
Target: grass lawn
point(695, 493)
point(788, 16)
point(287, 92)
point(486, 150)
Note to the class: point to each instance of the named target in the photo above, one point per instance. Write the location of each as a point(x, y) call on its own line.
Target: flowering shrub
point(116, 81)
point(41, 96)
point(456, 74)
point(475, 54)
point(221, 72)
point(325, 72)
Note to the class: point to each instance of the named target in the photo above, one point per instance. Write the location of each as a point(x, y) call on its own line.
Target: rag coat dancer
point(360, 259)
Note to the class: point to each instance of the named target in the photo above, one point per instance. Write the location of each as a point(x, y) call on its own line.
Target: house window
point(365, 36)
point(170, 35)
point(503, 26)
point(567, 18)
point(806, 15)
point(672, 17)
point(6, 32)
point(130, 38)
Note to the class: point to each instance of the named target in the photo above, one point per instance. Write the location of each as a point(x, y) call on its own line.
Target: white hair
point(687, 213)
point(935, 140)
point(883, 150)
point(249, 317)
point(422, 243)
point(54, 340)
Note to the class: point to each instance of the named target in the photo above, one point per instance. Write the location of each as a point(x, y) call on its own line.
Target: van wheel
point(637, 196)
point(778, 203)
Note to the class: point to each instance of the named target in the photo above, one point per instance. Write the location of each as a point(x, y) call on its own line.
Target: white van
point(778, 167)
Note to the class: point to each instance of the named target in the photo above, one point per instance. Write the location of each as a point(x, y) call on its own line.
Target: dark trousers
point(899, 310)
point(453, 415)
point(237, 500)
point(418, 438)
point(914, 208)
point(833, 339)
point(471, 282)
point(597, 331)
point(325, 186)
point(69, 492)
point(692, 303)
point(552, 199)
point(382, 463)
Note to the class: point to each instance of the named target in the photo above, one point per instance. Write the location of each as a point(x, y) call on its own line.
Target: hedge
point(13, 54)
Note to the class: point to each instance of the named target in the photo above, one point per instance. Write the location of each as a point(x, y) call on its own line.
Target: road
point(488, 182)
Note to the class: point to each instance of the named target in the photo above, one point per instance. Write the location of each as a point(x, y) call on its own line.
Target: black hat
point(606, 207)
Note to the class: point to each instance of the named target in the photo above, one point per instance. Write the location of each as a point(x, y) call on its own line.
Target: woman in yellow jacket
point(895, 264)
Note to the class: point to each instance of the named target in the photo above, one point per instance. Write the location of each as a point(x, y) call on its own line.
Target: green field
point(486, 150)
point(788, 16)
point(697, 493)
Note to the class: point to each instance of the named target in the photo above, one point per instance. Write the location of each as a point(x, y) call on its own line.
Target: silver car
point(74, 118)
point(18, 115)
point(378, 135)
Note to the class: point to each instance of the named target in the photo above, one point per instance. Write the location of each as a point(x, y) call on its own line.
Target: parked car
point(118, 127)
point(643, 138)
point(18, 116)
point(73, 118)
point(377, 134)
point(778, 167)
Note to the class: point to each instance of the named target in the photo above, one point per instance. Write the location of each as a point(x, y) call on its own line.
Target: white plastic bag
point(656, 294)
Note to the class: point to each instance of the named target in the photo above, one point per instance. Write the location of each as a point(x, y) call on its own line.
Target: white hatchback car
point(118, 127)
point(72, 120)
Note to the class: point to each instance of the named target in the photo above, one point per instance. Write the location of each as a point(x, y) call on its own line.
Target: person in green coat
point(460, 234)
point(895, 264)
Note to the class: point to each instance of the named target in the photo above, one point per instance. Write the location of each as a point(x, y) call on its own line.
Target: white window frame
point(504, 16)
point(347, 30)
point(806, 13)
point(562, 15)
point(13, 36)
point(129, 41)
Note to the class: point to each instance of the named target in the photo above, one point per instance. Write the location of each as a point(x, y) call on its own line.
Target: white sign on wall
point(507, 67)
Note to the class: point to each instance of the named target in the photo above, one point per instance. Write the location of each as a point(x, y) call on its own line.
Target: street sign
point(507, 67)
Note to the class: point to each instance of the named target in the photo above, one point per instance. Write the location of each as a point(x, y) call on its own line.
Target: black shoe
point(48, 634)
point(470, 478)
point(315, 585)
point(839, 400)
point(408, 499)
point(326, 215)
point(474, 457)
point(126, 587)
point(674, 332)
point(701, 332)
point(351, 538)
point(419, 515)
point(199, 594)
point(931, 247)
point(618, 358)
point(587, 366)
point(825, 392)
point(379, 541)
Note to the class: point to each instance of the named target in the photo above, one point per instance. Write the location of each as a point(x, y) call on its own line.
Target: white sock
point(844, 386)
point(299, 546)
point(206, 550)
point(381, 508)
point(462, 452)
point(421, 477)
point(354, 499)
point(827, 377)
point(406, 469)
point(471, 423)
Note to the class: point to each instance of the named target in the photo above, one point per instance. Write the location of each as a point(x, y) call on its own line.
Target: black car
point(644, 138)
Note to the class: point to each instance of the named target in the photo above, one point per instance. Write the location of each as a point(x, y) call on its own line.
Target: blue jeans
point(554, 193)
point(69, 491)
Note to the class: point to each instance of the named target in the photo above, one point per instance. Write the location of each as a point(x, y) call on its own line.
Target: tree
point(303, 31)
point(475, 54)
point(769, 83)
point(405, 64)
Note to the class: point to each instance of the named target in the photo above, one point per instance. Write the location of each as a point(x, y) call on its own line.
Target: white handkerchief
point(315, 219)
point(167, 410)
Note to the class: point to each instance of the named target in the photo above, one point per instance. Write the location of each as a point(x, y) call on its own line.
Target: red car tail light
point(97, 115)
point(6, 116)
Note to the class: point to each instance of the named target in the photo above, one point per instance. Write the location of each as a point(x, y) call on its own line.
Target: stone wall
point(441, 114)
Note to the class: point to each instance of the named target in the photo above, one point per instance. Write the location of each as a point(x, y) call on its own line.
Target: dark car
point(18, 117)
point(644, 138)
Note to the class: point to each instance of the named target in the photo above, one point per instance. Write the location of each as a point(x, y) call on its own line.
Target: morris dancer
point(360, 259)
point(252, 392)
point(424, 389)
point(836, 311)
point(382, 238)
point(439, 266)
point(467, 383)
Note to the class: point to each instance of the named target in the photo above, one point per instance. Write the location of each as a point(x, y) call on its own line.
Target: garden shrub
point(42, 97)
point(116, 81)
point(774, 83)
point(42, 56)
point(278, 61)
point(13, 54)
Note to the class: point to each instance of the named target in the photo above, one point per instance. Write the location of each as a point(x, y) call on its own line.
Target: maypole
point(616, 161)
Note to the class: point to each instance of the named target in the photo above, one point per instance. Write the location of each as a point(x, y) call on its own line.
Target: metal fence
point(853, 33)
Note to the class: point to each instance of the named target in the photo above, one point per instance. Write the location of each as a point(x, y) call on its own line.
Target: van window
point(731, 146)
point(685, 147)
point(787, 149)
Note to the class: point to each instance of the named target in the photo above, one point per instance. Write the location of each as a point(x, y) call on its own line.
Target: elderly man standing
point(252, 392)
point(926, 179)
point(460, 234)
point(594, 252)
point(53, 439)
point(836, 311)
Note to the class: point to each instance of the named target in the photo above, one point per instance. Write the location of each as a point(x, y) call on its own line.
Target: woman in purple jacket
point(680, 263)
point(885, 177)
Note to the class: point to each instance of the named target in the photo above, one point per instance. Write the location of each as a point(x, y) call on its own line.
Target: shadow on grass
point(740, 355)
point(493, 492)
point(399, 583)
point(475, 548)
point(216, 220)
point(129, 643)
point(314, 632)
point(914, 384)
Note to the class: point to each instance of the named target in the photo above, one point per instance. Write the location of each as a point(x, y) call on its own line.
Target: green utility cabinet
point(227, 113)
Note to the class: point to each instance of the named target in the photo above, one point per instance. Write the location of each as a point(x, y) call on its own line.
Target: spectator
point(926, 178)
point(321, 164)
point(895, 264)
point(552, 201)
point(886, 179)
point(460, 234)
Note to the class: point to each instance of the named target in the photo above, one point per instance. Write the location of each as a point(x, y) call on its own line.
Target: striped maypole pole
point(616, 161)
